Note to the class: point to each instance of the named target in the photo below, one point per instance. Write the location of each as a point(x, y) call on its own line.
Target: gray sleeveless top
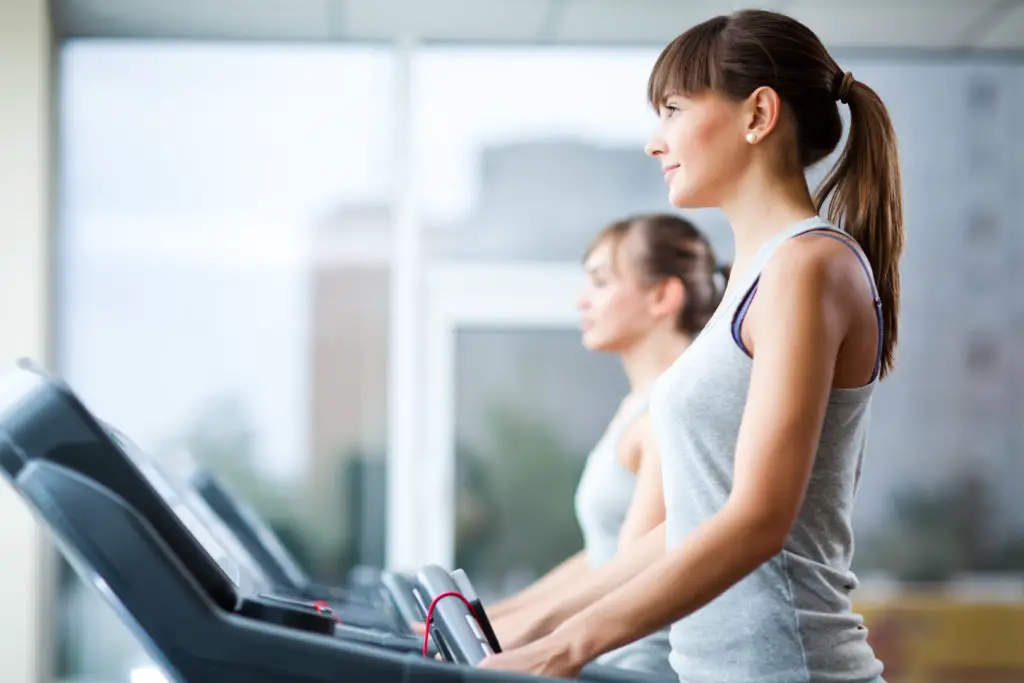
point(603, 497)
point(790, 621)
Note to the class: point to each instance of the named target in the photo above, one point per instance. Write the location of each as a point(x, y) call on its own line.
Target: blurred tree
point(222, 439)
point(521, 517)
point(476, 530)
point(942, 532)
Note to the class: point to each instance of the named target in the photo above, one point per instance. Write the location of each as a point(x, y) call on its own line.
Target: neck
point(765, 205)
point(651, 356)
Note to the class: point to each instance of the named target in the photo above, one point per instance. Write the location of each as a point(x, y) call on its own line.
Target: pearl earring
point(751, 138)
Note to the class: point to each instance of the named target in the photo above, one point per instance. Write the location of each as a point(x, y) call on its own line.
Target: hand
point(549, 656)
point(419, 628)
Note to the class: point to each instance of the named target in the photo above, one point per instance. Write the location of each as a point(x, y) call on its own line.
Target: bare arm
point(641, 542)
point(541, 591)
point(520, 612)
point(627, 564)
point(647, 509)
point(793, 367)
point(547, 605)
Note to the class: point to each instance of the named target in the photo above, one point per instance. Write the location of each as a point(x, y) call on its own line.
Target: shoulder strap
point(821, 227)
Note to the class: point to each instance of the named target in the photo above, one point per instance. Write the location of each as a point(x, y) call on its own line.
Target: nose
point(655, 146)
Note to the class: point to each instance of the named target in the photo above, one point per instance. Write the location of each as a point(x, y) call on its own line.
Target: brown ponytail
point(736, 54)
point(867, 201)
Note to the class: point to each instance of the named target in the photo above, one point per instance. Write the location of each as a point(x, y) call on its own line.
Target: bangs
point(689, 65)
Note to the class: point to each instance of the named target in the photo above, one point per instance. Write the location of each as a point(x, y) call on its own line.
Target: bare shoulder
point(817, 266)
point(815, 285)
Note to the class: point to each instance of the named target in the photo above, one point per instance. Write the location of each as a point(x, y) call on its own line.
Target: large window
point(937, 502)
point(523, 154)
point(226, 274)
point(223, 282)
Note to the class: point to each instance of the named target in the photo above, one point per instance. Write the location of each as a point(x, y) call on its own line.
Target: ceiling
point(945, 25)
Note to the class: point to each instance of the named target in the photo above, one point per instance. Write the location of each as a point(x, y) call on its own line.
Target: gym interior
point(302, 251)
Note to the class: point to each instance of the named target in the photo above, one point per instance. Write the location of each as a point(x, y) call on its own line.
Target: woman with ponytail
point(652, 284)
point(761, 425)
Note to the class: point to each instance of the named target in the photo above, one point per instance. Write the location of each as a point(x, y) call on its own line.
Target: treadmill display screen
point(178, 506)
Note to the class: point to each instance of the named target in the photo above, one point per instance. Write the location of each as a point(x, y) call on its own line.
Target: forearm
point(541, 591)
point(714, 557)
point(636, 528)
point(627, 564)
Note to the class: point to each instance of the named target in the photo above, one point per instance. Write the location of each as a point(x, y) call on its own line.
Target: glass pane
point(939, 502)
point(525, 153)
point(530, 404)
point(223, 284)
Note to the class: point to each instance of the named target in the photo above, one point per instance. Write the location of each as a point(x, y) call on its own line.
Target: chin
point(685, 198)
point(591, 343)
point(681, 201)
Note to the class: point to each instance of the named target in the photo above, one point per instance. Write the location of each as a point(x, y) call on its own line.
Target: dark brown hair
point(734, 55)
point(673, 248)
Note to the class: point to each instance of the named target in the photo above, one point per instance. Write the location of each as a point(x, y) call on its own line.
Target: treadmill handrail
point(115, 549)
point(452, 619)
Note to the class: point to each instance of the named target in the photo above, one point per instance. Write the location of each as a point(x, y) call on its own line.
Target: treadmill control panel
point(462, 631)
point(290, 613)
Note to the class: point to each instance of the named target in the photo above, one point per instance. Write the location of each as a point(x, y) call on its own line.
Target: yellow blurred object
point(931, 639)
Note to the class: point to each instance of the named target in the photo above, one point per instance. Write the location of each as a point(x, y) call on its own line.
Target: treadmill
point(367, 610)
point(394, 589)
point(159, 571)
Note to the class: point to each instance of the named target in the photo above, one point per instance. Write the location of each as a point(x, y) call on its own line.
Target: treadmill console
point(290, 613)
point(457, 627)
point(121, 535)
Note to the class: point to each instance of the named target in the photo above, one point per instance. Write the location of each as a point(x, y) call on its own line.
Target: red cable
point(430, 615)
point(320, 606)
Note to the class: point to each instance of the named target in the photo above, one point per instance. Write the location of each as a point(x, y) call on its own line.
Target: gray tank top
point(605, 491)
point(603, 497)
point(790, 620)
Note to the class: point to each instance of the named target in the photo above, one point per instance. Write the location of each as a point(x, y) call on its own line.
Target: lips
point(667, 171)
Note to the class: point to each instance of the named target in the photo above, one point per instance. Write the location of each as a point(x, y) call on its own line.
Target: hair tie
point(843, 83)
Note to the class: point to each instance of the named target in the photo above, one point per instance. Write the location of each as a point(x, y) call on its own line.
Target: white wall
point(25, 136)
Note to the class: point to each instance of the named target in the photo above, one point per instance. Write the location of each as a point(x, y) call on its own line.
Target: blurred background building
point(331, 248)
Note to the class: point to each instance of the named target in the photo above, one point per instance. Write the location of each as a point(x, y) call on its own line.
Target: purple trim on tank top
point(748, 298)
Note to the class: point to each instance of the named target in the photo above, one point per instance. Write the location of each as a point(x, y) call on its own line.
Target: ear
point(762, 111)
point(669, 297)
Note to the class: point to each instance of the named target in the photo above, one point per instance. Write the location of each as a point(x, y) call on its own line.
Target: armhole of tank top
point(741, 314)
point(624, 432)
point(748, 297)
